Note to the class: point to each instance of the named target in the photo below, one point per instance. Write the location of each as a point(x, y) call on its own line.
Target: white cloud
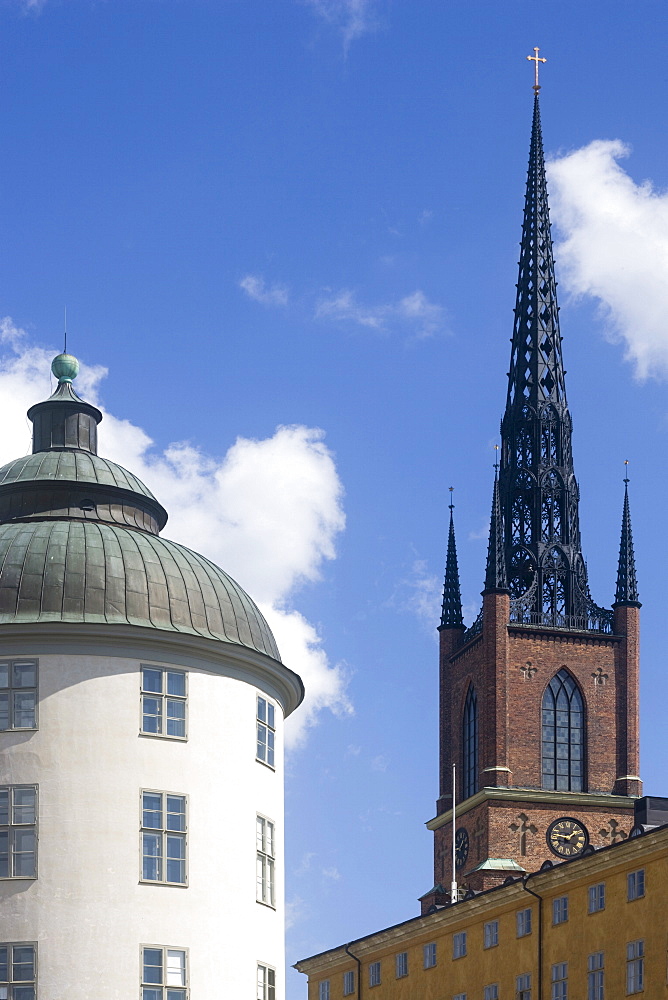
point(269, 295)
point(352, 18)
point(332, 873)
point(414, 312)
point(614, 247)
point(268, 512)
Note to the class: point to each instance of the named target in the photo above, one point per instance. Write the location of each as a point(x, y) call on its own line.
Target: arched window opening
point(521, 521)
point(470, 745)
point(563, 735)
point(551, 508)
point(524, 448)
point(521, 572)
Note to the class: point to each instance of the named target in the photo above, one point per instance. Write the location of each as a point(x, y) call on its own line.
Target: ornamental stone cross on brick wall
point(528, 671)
point(523, 829)
point(599, 677)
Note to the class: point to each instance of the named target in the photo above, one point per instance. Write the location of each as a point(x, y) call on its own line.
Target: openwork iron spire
point(451, 614)
point(627, 584)
point(545, 570)
point(495, 576)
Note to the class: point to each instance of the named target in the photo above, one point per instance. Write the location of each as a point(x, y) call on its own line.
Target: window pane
point(176, 683)
point(4, 675)
point(151, 680)
point(176, 995)
point(176, 968)
point(152, 866)
point(25, 675)
point(24, 993)
point(152, 813)
point(24, 854)
point(151, 994)
point(4, 807)
point(270, 747)
point(152, 965)
point(4, 710)
point(262, 709)
point(24, 964)
point(24, 709)
point(4, 965)
point(24, 805)
point(176, 718)
point(4, 854)
point(151, 715)
point(176, 854)
point(176, 812)
point(270, 715)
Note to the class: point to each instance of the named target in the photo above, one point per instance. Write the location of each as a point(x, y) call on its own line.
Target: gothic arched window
point(470, 745)
point(555, 572)
point(563, 735)
point(550, 510)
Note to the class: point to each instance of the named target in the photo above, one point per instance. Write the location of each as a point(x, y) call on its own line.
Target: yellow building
point(592, 928)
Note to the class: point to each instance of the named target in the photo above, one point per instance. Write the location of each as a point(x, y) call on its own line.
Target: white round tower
point(142, 701)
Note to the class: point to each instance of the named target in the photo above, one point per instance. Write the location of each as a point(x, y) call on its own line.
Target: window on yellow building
point(595, 976)
point(635, 966)
point(635, 882)
point(560, 910)
point(596, 896)
point(491, 934)
point(459, 996)
point(491, 992)
point(323, 990)
point(374, 974)
point(348, 983)
point(429, 956)
point(401, 964)
point(560, 981)
point(459, 945)
point(523, 922)
point(523, 984)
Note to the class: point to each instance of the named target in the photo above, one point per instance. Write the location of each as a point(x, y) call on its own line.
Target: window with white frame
point(596, 976)
point(348, 983)
point(559, 981)
point(374, 974)
point(163, 702)
point(266, 730)
point(596, 897)
point(18, 971)
point(266, 852)
point(523, 986)
point(164, 973)
point(163, 838)
point(523, 922)
point(18, 694)
point(429, 955)
point(323, 990)
point(459, 996)
point(635, 884)
point(18, 831)
point(491, 992)
point(459, 944)
point(401, 964)
point(491, 934)
point(560, 910)
point(635, 966)
point(266, 982)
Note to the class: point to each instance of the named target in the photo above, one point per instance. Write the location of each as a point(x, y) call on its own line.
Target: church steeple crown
point(495, 575)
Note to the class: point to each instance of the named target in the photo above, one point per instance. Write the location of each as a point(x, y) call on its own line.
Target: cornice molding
point(136, 642)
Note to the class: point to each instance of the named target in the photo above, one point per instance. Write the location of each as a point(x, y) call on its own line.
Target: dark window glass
point(563, 735)
point(470, 745)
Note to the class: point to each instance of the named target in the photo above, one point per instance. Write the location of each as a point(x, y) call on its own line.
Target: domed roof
point(74, 571)
point(71, 466)
point(79, 540)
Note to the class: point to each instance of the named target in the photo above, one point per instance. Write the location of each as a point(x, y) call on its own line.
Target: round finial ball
point(65, 367)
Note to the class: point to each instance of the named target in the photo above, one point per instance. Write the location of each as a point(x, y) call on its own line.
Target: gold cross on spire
point(536, 59)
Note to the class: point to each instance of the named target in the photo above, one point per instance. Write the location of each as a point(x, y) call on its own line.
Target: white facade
point(88, 910)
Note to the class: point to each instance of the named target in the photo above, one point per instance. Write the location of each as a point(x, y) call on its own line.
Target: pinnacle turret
point(627, 584)
point(495, 576)
point(451, 613)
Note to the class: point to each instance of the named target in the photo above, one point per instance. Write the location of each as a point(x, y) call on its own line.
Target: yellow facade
point(609, 930)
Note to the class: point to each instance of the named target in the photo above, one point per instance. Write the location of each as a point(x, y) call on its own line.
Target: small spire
point(495, 577)
point(451, 614)
point(627, 584)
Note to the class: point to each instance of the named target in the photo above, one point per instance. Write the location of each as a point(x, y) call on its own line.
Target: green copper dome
point(79, 540)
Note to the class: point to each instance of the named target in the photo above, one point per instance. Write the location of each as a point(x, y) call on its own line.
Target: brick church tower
point(539, 697)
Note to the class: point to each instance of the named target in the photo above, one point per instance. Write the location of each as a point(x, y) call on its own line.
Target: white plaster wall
point(87, 909)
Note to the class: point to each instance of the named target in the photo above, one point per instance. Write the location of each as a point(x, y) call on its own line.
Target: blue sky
point(305, 213)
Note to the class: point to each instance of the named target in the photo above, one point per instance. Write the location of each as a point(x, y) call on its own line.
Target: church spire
point(627, 584)
point(545, 571)
point(495, 575)
point(451, 613)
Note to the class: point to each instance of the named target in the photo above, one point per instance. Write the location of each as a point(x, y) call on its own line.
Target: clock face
point(567, 837)
point(461, 847)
